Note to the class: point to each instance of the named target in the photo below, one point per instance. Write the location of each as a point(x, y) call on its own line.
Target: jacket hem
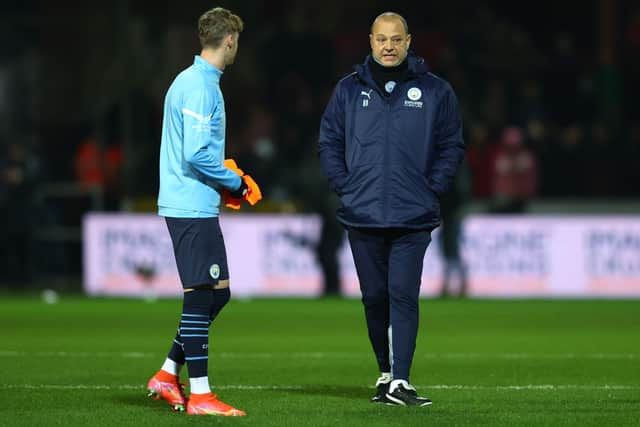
point(346, 223)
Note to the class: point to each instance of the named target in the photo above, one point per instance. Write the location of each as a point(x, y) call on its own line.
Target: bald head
point(389, 16)
point(389, 39)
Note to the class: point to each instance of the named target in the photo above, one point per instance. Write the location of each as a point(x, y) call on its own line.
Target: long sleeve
point(203, 123)
point(449, 144)
point(331, 144)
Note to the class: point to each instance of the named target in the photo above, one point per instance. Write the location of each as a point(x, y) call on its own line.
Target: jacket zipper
point(385, 201)
point(387, 107)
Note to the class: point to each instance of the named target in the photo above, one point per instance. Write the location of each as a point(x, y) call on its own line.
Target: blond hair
point(215, 24)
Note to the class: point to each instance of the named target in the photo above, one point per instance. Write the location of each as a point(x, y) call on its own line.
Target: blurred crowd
point(545, 117)
point(539, 123)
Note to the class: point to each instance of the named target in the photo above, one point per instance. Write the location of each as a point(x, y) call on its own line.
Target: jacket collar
point(209, 69)
point(416, 65)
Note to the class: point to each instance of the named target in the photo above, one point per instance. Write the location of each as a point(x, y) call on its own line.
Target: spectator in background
point(257, 149)
point(515, 173)
point(100, 165)
point(452, 205)
point(19, 173)
point(480, 154)
point(311, 189)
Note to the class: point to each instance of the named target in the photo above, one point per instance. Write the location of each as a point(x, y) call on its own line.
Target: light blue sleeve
point(203, 143)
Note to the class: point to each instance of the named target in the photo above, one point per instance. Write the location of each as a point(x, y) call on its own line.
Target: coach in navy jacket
point(390, 144)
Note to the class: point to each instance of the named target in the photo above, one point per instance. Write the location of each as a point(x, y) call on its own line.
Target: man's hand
point(240, 192)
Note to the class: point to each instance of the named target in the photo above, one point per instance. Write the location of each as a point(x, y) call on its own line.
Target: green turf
point(308, 363)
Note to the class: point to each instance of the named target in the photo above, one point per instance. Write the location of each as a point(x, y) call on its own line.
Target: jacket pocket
point(414, 200)
point(361, 199)
point(351, 182)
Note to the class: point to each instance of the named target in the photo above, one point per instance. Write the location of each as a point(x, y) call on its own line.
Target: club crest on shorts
point(214, 271)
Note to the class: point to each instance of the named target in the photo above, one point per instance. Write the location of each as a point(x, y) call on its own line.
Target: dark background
point(82, 83)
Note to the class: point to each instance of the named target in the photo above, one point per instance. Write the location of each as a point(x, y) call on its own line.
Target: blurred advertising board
point(273, 255)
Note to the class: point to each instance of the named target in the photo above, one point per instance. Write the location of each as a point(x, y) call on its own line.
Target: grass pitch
point(308, 363)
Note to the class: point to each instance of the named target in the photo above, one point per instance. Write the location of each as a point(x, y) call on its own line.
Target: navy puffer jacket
point(390, 158)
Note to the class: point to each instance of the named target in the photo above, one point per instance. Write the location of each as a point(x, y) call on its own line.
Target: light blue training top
point(192, 173)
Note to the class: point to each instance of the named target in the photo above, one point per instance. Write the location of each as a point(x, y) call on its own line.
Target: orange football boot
point(164, 385)
point(208, 404)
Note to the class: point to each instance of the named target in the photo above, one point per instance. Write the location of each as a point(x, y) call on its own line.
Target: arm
point(449, 150)
point(203, 145)
point(331, 142)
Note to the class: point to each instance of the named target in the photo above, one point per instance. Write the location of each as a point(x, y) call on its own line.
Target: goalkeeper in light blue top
point(192, 174)
point(192, 179)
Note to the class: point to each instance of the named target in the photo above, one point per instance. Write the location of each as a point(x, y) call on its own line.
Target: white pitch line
point(128, 354)
point(135, 387)
point(534, 387)
point(604, 356)
point(552, 387)
point(326, 355)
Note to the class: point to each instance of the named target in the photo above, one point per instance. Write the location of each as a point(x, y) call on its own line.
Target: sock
point(194, 330)
point(385, 378)
point(395, 383)
point(220, 299)
point(176, 352)
point(171, 367)
point(165, 376)
point(199, 385)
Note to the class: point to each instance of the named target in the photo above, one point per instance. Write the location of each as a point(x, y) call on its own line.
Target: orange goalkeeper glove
point(230, 201)
point(253, 194)
point(249, 189)
point(231, 164)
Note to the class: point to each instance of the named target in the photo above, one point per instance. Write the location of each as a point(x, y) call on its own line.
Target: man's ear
point(229, 41)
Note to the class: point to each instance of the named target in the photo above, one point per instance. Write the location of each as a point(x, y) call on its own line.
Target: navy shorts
point(199, 249)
